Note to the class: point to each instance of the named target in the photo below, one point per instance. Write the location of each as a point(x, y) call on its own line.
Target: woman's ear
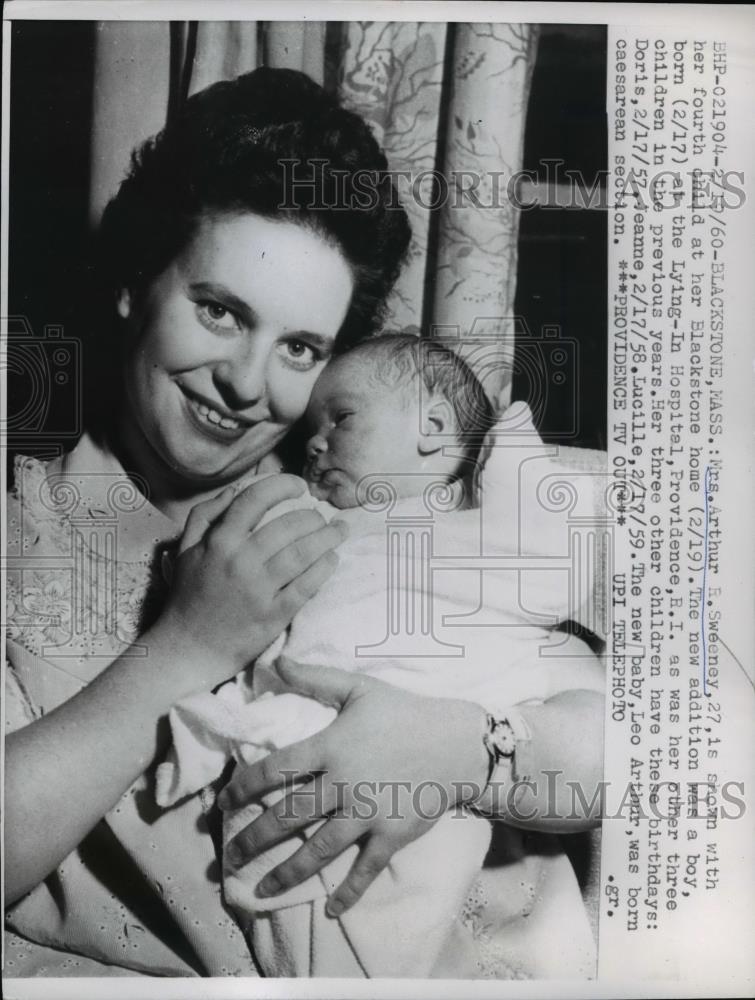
point(438, 424)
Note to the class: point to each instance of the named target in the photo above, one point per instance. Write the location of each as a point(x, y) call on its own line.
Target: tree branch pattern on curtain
point(392, 75)
point(447, 102)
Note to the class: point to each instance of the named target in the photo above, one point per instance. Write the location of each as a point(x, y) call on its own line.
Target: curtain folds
point(447, 102)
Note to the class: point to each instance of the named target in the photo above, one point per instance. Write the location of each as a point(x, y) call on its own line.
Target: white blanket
point(393, 611)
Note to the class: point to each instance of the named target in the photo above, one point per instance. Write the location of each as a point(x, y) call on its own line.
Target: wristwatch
point(508, 741)
point(500, 742)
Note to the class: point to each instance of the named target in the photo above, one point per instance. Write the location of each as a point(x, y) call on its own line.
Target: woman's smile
point(213, 419)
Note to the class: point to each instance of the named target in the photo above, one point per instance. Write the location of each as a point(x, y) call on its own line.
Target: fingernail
point(268, 886)
point(233, 855)
point(334, 908)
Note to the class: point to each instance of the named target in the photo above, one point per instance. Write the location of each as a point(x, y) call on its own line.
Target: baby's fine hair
point(403, 358)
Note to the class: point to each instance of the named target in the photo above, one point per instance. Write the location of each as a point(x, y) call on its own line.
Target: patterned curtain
point(447, 102)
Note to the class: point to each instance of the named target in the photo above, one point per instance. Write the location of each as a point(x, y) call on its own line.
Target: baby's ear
point(438, 425)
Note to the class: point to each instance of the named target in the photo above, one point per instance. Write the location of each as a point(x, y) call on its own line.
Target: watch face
point(503, 739)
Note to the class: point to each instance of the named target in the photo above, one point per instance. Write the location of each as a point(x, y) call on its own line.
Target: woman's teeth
point(213, 417)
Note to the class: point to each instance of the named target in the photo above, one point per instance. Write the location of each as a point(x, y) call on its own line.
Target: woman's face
point(227, 343)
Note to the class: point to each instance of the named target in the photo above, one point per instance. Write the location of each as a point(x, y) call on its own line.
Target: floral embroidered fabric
point(142, 893)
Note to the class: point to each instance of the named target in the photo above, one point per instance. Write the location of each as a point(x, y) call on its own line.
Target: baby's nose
point(317, 445)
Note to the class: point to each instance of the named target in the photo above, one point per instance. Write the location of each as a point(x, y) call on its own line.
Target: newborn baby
point(396, 428)
point(390, 408)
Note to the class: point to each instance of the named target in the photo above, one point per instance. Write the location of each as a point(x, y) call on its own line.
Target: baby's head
point(394, 404)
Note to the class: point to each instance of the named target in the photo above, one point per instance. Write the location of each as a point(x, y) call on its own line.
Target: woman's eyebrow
point(323, 344)
point(247, 315)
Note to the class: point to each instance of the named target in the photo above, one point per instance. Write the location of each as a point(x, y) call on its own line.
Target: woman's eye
point(216, 317)
point(300, 355)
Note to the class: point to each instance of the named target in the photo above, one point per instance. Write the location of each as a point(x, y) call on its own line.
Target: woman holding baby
point(229, 295)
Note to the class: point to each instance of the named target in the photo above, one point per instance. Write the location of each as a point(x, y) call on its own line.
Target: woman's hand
point(386, 769)
point(235, 588)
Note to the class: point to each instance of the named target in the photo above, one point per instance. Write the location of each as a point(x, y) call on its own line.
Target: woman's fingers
point(325, 844)
point(235, 588)
point(202, 516)
point(247, 509)
point(303, 806)
point(277, 533)
point(302, 552)
point(299, 809)
point(373, 858)
point(292, 763)
point(293, 597)
point(326, 684)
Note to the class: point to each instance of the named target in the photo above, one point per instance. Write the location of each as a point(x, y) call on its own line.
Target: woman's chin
point(208, 463)
point(207, 470)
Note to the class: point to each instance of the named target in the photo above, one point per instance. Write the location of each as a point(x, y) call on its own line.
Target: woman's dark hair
point(274, 143)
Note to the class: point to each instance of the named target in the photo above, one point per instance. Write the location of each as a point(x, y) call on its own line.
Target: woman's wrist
point(558, 748)
point(186, 667)
point(469, 720)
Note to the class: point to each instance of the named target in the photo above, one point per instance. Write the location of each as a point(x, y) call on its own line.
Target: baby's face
point(359, 427)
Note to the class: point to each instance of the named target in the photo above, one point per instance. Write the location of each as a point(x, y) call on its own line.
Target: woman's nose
point(317, 445)
point(242, 375)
